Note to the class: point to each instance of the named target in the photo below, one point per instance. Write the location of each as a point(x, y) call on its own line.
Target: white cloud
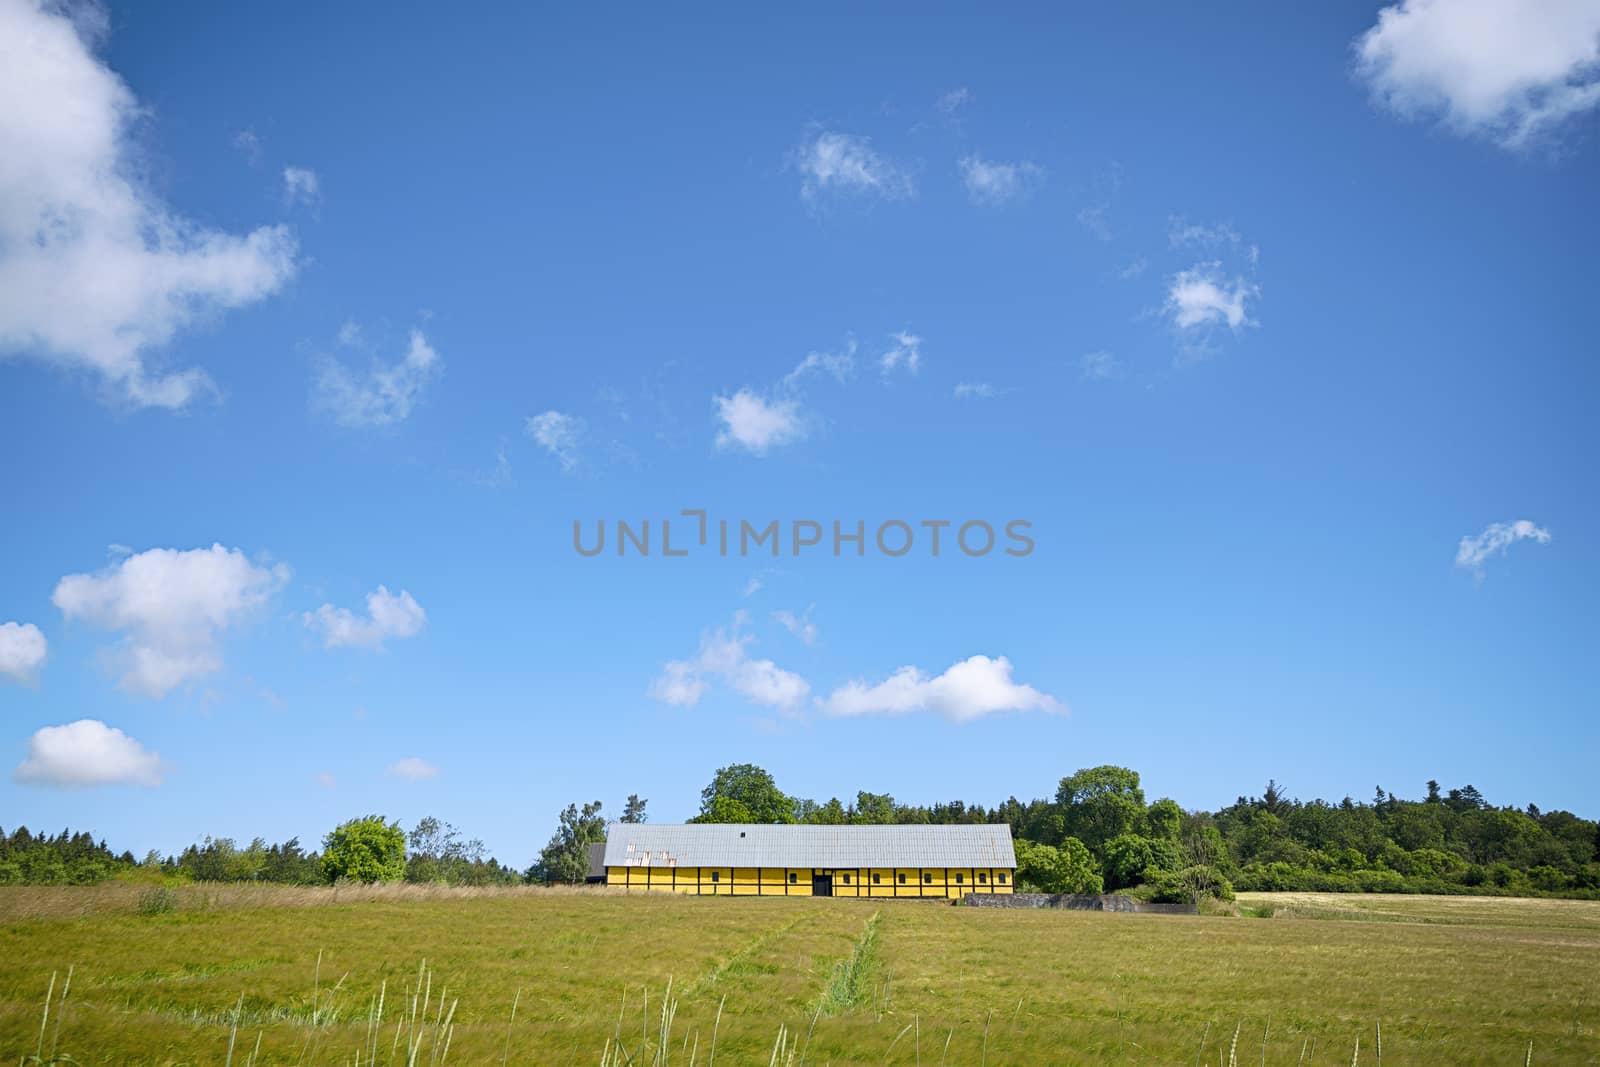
point(247, 142)
point(88, 753)
point(558, 435)
point(326, 780)
point(1133, 269)
point(1094, 219)
point(388, 616)
point(1203, 296)
point(968, 690)
point(1512, 71)
point(499, 477)
point(840, 366)
point(679, 684)
point(756, 423)
point(991, 183)
point(1495, 539)
point(413, 769)
point(301, 186)
point(799, 625)
point(977, 391)
point(171, 605)
point(956, 99)
point(1182, 233)
point(22, 650)
point(96, 273)
point(845, 163)
point(753, 585)
point(905, 351)
point(724, 656)
point(1099, 366)
point(385, 393)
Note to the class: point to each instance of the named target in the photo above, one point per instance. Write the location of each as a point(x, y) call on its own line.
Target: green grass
point(1451, 980)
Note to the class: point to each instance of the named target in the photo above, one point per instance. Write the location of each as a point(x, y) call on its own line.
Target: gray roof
point(766, 845)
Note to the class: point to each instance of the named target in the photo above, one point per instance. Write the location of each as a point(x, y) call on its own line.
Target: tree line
point(1097, 833)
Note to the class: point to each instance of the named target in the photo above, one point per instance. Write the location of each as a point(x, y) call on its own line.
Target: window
point(902, 879)
point(847, 879)
point(927, 879)
point(716, 876)
point(877, 879)
point(958, 879)
point(1002, 877)
point(793, 878)
point(983, 879)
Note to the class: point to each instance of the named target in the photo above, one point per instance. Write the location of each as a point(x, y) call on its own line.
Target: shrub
point(1068, 868)
point(365, 850)
point(157, 900)
point(1190, 885)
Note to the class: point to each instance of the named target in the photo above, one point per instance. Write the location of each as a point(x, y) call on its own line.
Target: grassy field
point(1450, 980)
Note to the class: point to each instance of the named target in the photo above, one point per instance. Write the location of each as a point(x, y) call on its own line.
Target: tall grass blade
point(506, 1052)
point(713, 1060)
point(233, 1033)
point(61, 1009)
point(49, 994)
point(890, 1050)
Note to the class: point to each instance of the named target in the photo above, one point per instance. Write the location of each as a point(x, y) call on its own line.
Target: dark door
point(822, 885)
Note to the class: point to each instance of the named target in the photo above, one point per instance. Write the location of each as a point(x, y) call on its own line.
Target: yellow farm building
point(737, 859)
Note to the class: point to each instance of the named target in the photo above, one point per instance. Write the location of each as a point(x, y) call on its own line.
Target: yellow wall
point(796, 881)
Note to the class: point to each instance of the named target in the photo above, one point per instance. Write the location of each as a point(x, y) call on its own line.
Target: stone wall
point(1073, 902)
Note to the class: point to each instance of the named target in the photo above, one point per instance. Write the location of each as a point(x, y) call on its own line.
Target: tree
point(873, 808)
point(725, 809)
point(566, 857)
point(633, 810)
point(1165, 819)
point(288, 864)
point(1191, 885)
point(1131, 859)
point(368, 849)
point(830, 814)
point(752, 789)
point(1067, 868)
point(1100, 803)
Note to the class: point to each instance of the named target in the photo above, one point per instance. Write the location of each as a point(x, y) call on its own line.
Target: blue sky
point(319, 329)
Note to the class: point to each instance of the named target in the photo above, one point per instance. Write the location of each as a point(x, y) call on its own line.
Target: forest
point(1097, 833)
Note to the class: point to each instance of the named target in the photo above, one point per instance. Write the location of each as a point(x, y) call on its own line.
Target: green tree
point(1100, 803)
point(755, 796)
point(368, 849)
point(566, 857)
point(726, 809)
point(1131, 859)
point(873, 808)
point(830, 814)
point(1165, 819)
point(633, 810)
point(1064, 868)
